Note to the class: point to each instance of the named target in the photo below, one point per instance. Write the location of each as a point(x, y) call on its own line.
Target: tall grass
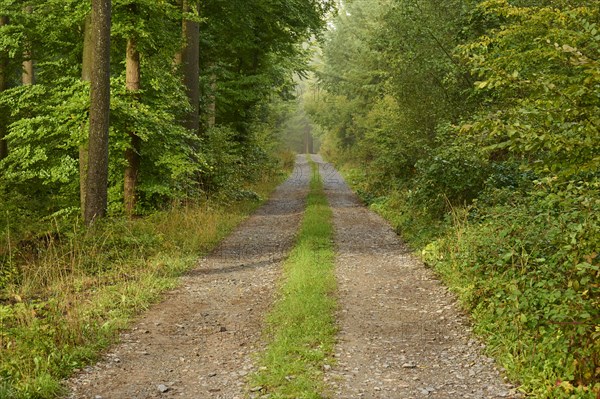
point(76, 289)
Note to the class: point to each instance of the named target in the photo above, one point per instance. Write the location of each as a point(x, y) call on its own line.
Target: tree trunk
point(308, 139)
point(190, 61)
point(28, 77)
point(212, 104)
point(132, 154)
point(3, 86)
point(97, 173)
point(86, 71)
point(88, 47)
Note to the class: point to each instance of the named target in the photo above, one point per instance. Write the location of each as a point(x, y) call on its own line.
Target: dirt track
point(198, 343)
point(401, 335)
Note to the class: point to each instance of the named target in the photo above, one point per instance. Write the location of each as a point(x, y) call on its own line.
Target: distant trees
point(404, 79)
point(263, 58)
point(390, 79)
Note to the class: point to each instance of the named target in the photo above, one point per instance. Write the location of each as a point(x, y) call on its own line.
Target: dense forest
point(129, 129)
point(134, 134)
point(474, 126)
point(179, 100)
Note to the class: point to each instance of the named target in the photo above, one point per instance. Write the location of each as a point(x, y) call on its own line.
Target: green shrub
point(453, 174)
point(530, 273)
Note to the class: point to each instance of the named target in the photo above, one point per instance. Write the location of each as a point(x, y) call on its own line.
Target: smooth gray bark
point(190, 62)
point(132, 154)
point(97, 173)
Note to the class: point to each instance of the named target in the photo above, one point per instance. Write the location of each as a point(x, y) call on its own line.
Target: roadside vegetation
point(80, 289)
point(301, 327)
point(473, 126)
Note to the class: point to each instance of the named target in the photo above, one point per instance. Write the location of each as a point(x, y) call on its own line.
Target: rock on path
point(198, 342)
point(401, 335)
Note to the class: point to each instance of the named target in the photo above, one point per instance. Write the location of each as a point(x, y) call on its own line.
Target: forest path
point(198, 342)
point(401, 334)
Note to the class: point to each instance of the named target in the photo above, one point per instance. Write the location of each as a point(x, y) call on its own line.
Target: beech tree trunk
point(212, 104)
point(308, 140)
point(190, 61)
point(132, 154)
point(97, 173)
point(86, 71)
point(28, 77)
point(3, 86)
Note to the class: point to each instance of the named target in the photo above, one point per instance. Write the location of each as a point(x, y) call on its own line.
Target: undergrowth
point(72, 292)
point(301, 328)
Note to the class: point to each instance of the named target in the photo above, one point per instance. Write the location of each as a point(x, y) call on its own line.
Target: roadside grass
point(72, 299)
point(301, 327)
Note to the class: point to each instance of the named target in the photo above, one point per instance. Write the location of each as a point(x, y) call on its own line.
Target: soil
point(401, 333)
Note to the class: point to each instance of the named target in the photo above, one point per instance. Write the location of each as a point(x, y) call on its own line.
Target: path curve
point(199, 342)
point(400, 333)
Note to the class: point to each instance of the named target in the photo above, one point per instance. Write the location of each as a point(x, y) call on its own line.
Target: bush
point(453, 175)
point(530, 273)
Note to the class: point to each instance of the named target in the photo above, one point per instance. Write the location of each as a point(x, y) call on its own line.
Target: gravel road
point(401, 335)
point(199, 342)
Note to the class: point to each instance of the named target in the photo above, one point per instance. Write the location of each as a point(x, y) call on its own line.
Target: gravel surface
point(401, 334)
point(200, 340)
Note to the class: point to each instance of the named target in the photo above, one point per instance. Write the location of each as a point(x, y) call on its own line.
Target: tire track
point(200, 340)
point(401, 334)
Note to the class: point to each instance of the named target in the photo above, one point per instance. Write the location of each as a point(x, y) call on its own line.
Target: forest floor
point(401, 333)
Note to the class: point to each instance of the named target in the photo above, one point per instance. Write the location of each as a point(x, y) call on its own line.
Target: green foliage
point(475, 128)
point(47, 128)
point(47, 122)
point(530, 272)
point(392, 149)
point(454, 174)
point(168, 167)
point(252, 50)
point(542, 72)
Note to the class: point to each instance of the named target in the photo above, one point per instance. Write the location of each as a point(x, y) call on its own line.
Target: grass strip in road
point(301, 327)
